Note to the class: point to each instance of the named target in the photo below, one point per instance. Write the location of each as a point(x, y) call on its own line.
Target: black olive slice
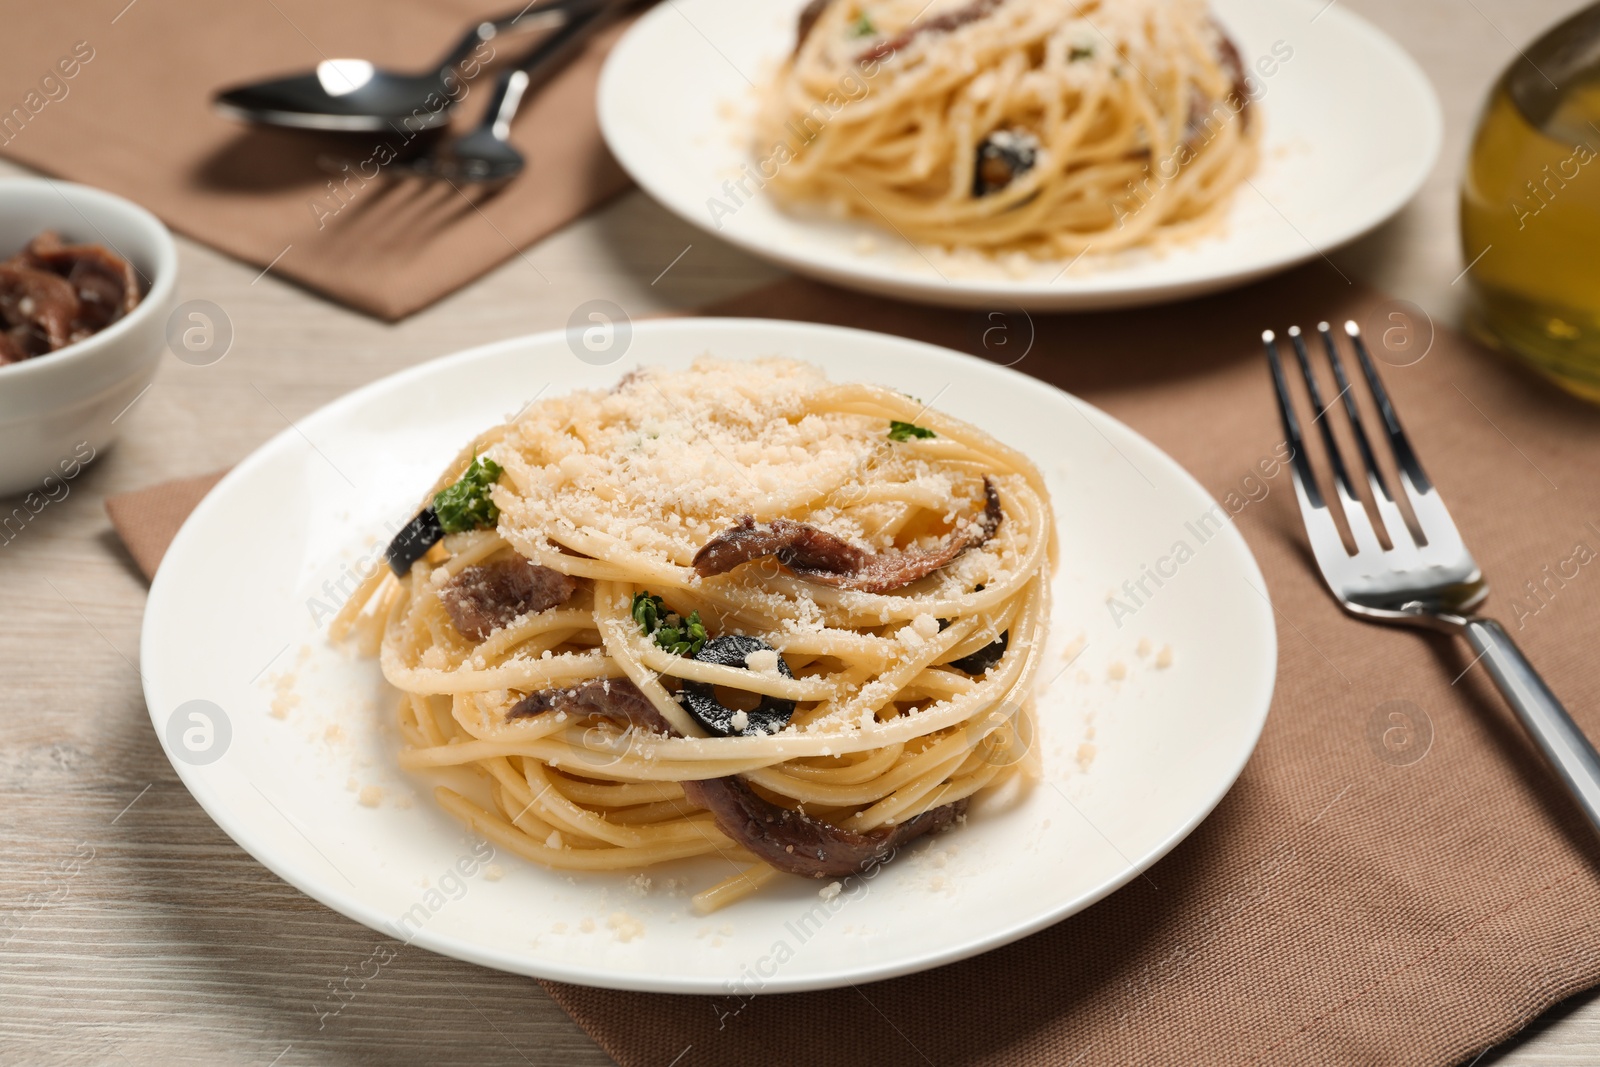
point(986, 657)
point(413, 542)
point(1002, 157)
point(768, 717)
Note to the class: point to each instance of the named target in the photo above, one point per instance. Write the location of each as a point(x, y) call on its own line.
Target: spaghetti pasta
point(737, 610)
point(1048, 127)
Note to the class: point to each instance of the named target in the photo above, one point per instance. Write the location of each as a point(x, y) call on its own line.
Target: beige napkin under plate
point(1347, 903)
point(134, 117)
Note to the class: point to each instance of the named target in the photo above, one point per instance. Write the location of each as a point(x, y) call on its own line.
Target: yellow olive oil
point(1530, 208)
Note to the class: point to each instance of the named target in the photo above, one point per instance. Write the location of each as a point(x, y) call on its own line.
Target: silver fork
point(485, 153)
point(1429, 581)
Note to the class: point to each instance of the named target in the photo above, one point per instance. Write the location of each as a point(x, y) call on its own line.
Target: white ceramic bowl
point(58, 409)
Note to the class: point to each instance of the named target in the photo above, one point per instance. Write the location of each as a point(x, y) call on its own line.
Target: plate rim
point(1099, 292)
point(352, 906)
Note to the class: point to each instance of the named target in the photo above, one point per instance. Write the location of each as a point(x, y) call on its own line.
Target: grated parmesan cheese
point(763, 661)
point(624, 927)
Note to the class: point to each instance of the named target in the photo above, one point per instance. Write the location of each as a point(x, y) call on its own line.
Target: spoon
point(485, 154)
point(353, 95)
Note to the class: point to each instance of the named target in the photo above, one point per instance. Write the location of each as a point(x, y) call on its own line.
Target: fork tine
point(1393, 521)
point(1326, 545)
point(1335, 459)
point(1433, 518)
point(1300, 465)
point(1375, 478)
point(1354, 512)
point(1405, 457)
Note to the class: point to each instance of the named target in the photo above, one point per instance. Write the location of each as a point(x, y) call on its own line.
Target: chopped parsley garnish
point(905, 431)
point(863, 27)
point(681, 637)
point(466, 504)
point(647, 611)
point(1080, 51)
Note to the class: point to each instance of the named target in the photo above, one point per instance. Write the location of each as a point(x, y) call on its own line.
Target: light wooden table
point(138, 932)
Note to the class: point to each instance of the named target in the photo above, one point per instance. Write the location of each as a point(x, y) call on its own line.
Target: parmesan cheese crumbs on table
point(829, 891)
point(1117, 671)
point(1144, 647)
point(371, 796)
point(1164, 658)
point(494, 872)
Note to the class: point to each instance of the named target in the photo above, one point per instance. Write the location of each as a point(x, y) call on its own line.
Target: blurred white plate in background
point(1352, 128)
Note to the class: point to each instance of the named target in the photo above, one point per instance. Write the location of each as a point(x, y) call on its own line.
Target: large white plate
point(1352, 130)
point(237, 616)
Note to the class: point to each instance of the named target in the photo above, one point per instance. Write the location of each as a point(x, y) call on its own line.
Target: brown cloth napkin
point(1348, 902)
point(134, 117)
point(148, 519)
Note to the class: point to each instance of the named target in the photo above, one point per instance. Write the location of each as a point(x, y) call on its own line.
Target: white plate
point(230, 621)
point(1352, 130)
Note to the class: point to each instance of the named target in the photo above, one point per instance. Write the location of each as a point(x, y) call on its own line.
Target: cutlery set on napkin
point(355, 96)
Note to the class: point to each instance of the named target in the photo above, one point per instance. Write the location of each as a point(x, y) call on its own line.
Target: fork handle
point(1547, 722)
point(489, 29)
